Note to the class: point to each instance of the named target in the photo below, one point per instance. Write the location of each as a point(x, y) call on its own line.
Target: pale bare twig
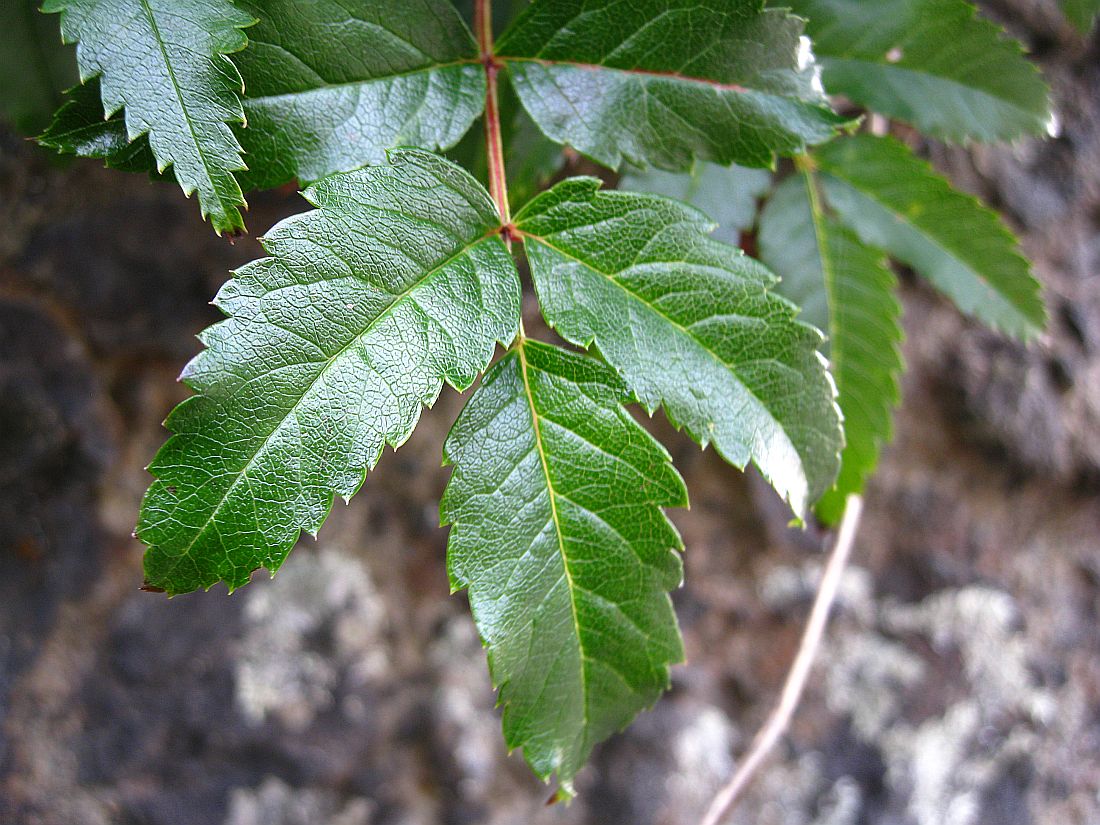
point(780, 717)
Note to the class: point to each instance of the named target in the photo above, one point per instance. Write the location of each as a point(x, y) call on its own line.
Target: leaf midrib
point(326, 86)
point(183, 107)
point(649, 73)
point(828, 275)
point(673, 322)
point(473, 61)
point(931, 240)
point(537, 429)
point(399, 299)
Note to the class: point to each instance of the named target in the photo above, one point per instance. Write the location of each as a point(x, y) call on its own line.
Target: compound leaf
point(559, 536)
point(847, 289)
point(896, 202)
point(933, 63)
point(690, 323)
point(397, 282)
point(332, 84)
point(664, 82)
point(165, 63)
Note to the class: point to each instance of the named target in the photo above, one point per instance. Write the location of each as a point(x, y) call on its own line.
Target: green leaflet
point(726, 194)
point(165, 62)
point(848, 289)
point(932, 63)
point(36, 67)
point(409, 74)
point(663, 82)
point(896, 202)
point(324, 94)
point(397, 282)
point(332, 84)
point(558, 534)
point(1081, 13)
point(691, 325)
point(79, 128)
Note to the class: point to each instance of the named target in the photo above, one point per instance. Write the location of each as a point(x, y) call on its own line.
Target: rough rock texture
point(959, 684)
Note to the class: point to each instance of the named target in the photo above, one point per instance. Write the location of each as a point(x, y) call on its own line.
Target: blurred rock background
point(960, 680)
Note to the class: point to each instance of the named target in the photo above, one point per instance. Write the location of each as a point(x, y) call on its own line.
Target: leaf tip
point(564, 793)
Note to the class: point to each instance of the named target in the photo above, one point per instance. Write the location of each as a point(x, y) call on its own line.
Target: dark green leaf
point(36, 67)
point(847, 289)
point(397, 282)
point(332, 84)
point(559, 537)
point(165, 62)
point(691, 325)
point(726, 194)
point(932, 63)
point(663, 82)
point(80, 129)
point(897, 202)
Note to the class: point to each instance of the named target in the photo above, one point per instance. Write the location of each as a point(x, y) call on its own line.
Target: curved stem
point(494, 145)
point(780, 718)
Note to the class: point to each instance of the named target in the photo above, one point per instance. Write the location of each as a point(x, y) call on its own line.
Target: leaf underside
point(725, 194)
point(396, 283)
point(896, 202)
point(558, 535)
point(847, 289)
point(691, 325)
point(666, 82)
point(164, 62)
point(78, 128)
point(933, 63)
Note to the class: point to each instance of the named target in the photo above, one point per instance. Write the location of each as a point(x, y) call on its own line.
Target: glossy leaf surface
point(666, 82)
point(396, 283)
point(165, 63)
point(330, 85)
point(80, 129)
point(559, 536)
point(691, 325)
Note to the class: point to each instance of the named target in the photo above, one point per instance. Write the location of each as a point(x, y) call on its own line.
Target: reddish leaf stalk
point(498, 185)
